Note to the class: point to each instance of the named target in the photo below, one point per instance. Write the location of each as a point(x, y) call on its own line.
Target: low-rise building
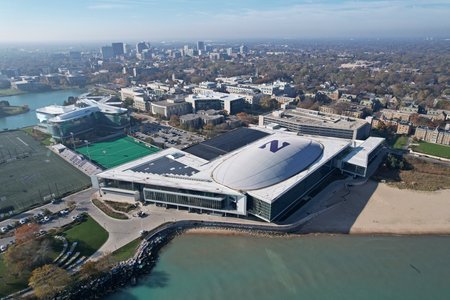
point(305, 121)
point(404, 128)
point(430, 135)
point(170, 107)
point(232, 104)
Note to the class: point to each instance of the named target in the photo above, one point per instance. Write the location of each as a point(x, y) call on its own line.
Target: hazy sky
point(107, 20)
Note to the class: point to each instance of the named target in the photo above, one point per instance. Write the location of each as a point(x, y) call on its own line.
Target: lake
point(309, 267)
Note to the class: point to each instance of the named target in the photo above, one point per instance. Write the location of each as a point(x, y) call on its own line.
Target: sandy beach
point(375, 208)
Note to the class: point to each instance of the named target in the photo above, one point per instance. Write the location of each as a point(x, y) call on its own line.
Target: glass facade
point(62, 130)
point(95, 121)
point(184, 199)
point(270, 211)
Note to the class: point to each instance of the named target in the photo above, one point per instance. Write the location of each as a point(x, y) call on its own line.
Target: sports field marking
point(22, 141)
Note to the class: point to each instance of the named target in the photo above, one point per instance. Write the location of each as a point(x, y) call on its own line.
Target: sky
point(154, 20)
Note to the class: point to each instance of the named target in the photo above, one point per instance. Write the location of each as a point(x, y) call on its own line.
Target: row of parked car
point(40, 218)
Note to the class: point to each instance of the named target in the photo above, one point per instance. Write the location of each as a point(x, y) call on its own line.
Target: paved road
point(54, 223)
point(121, 232)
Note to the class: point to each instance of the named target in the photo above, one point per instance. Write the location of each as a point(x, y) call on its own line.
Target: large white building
point(218, 101)
point(86, 116)
point(248, 171)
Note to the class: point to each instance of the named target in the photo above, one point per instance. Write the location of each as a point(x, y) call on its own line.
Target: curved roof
point(268, 162)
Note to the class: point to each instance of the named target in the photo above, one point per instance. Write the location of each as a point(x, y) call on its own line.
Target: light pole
point(87, 148)
point(73, 142)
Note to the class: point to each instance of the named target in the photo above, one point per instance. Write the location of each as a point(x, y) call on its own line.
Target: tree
point(24, 257)
point(48, 280)
point(174, 120)
point(26, 232)
point(89, 269)
point(268, 103)
point(128, 102)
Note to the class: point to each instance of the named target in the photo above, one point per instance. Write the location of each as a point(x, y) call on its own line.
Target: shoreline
point(233, 232)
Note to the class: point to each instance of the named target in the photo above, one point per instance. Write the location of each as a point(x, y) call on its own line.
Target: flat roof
point(203, 179)
point(225, 143)
point(360, 154)
point(165, 166)
point(315, 118)
point(213, 96)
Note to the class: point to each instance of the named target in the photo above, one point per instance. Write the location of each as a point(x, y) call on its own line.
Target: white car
point(4, 229)
point(23, 221)
point(76, 217)
point(47, 218)
point(3, 248)
point(64, 212)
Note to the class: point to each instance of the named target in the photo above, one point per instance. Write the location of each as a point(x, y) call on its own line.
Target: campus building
point(219, 101)
point(84, 117)
point(248, 171)
point(305, 121)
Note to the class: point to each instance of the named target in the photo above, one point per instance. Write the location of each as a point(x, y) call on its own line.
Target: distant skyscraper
point(126, 49)
point(117, 49)
point(229, 51)
point(200, 46)
point(243, 49)
point(141, 46)
point(107, 52)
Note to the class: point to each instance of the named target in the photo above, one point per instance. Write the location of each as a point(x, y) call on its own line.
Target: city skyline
point(103, 20)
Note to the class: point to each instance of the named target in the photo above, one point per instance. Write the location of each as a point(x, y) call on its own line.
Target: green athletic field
point(109, 154)
point(31, 174)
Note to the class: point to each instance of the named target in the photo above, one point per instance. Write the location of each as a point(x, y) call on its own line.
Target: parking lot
point(167, 136)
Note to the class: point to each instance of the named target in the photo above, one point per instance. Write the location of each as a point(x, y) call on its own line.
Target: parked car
point(56, 201)
point(76, 217)
point(4, 229)
point(23, 221)
point(46, 219)
point(64, 212)
point(142, 214)
point(3, 248)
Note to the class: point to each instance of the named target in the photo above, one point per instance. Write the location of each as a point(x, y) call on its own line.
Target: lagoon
point(34, 101)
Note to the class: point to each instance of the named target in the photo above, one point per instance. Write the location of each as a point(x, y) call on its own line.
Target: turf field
point(109, 154)
point(32, 174)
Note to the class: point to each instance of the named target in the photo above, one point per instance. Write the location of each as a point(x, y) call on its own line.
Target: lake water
point(34, 100)
point(310, 267)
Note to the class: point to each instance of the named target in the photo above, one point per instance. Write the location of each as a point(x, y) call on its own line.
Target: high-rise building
point(107, 52)
point(243, 49)
point(200, 46)
point(141, 46)
point(126, 48)
point(117, 49)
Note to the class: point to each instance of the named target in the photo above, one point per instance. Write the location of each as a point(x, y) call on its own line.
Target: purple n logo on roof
point(274, 145)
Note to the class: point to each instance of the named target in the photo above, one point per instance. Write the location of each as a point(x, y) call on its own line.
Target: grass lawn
point(10, 92)
point(400, 142)
point(433, 149)
point(43, 138)
point(89, 235)
point(10, 285)
point(127, 251)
